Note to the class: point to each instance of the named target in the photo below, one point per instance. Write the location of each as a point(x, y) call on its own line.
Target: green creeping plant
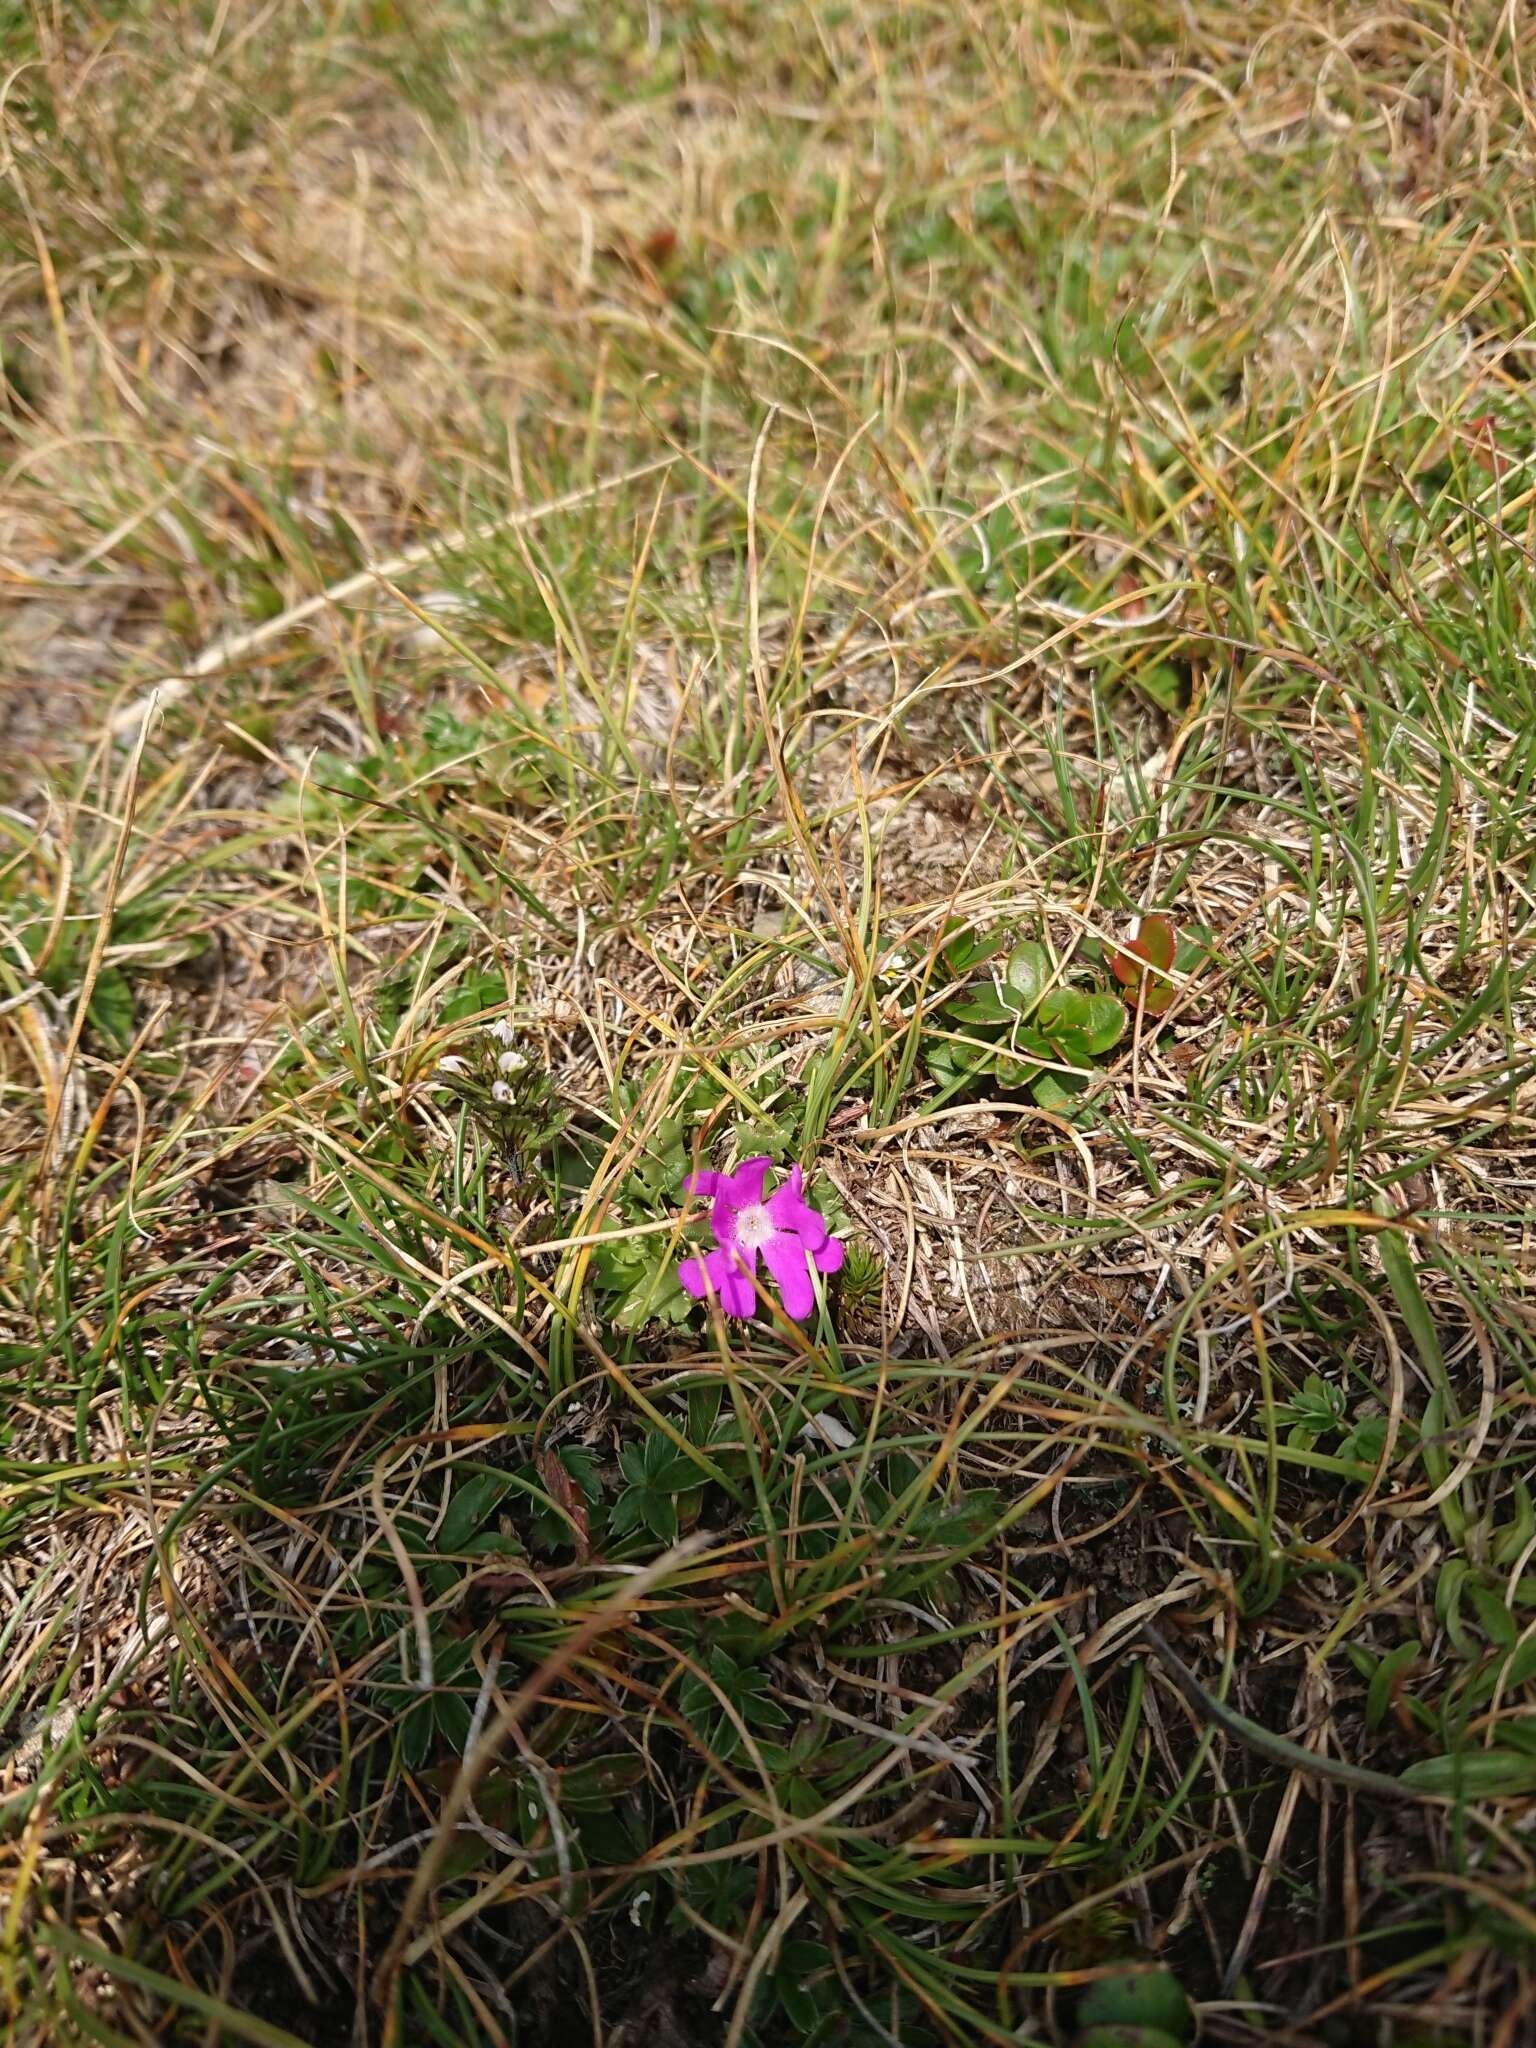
point(1017, 1031)
point(1020, 1028)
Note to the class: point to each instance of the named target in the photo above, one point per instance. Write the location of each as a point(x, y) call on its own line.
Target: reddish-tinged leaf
point(565, 1493)
point(1136, 965)
point(1157, 940)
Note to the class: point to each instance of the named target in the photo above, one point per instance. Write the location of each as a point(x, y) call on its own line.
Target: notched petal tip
point(744, 1187)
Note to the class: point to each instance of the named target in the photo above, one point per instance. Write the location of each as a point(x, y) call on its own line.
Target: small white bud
point(453, 1065)
point(500, 1092)
point(512, 1062)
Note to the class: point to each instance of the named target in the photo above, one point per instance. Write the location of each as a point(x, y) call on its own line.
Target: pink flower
point(791, 1236)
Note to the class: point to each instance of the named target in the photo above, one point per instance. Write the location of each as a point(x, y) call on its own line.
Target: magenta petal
point(745, 1186)
point(708, 1275)
point(789, 1210)
point(703, 1183)
point(785, 1259)
point(738, 1297)
point(829, 1257)
point(724, 1276)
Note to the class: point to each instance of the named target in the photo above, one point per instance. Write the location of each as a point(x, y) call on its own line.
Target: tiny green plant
point(1320, 1410)
point(863, 1277)
point(1317, 1409)
point(658, 1480)
point(734, 1691)
point(803, 1987)
point(635, 1276)
point(636, 1282)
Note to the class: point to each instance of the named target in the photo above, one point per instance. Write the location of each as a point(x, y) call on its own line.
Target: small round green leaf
point(1140, 1998)
point(1064, 1009)
point(1029, 972)
point(982, 1005)
point(1106, 1022)
point(1056, 1092)
point(1014, 1073)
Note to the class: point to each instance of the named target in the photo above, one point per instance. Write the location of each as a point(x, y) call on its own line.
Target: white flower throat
point(754, 1226)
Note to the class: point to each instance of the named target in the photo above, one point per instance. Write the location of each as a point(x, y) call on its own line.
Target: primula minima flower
point(747, 1221)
